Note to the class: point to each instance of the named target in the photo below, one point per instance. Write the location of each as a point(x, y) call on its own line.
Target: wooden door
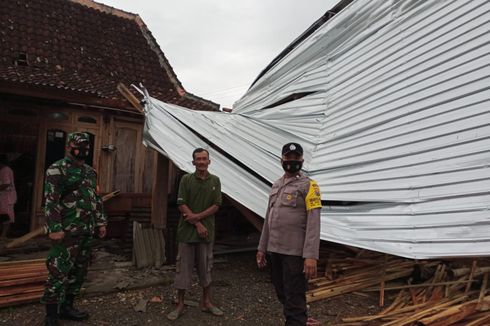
point(127, 162)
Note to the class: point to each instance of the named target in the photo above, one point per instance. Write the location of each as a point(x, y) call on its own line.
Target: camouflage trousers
point(67, 265)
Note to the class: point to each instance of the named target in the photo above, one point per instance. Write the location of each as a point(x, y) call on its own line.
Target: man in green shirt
point(199, 199)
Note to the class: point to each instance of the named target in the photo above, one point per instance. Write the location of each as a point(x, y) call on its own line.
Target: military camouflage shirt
point(72, 204)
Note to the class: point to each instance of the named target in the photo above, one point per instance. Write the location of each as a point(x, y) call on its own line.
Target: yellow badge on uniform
point(313, 198)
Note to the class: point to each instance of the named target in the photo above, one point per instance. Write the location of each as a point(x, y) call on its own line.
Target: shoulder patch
point(313, 198)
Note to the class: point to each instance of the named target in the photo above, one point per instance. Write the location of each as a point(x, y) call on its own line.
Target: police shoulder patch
point(313, 198)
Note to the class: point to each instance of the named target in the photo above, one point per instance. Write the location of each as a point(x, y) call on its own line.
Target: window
point(21, 59)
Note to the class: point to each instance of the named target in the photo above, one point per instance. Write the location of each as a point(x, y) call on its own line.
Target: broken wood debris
point(444, 296)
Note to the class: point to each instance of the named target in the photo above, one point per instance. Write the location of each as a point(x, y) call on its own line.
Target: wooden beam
point(64, 95)
point(253, 218)
point(130, 97)
point(159, 200)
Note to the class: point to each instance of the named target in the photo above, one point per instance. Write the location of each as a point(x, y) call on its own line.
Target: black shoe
point(50, 321)
point(51, 315)
point(67, 311)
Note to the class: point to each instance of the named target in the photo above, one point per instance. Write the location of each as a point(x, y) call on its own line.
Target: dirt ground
point(240, 289)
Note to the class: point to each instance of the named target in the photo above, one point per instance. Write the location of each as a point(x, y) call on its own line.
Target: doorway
point(18, 140)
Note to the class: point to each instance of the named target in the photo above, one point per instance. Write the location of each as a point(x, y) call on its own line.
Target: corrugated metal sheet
point(399, 118)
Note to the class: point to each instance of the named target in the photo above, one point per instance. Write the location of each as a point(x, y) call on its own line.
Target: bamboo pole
point(429, 309)
point(421, 285)
point(483, 289)
point(382, 286)
point(481, 321)
point(470, 278)
point(450, 315)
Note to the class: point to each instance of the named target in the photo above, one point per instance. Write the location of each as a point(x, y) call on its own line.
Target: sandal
point(175, 314)
point(215, 311)
point(312, 322)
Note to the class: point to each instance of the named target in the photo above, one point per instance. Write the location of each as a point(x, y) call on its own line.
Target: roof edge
point(316, 25)
point(168, 68)
point(152, 42)
point(105, 8)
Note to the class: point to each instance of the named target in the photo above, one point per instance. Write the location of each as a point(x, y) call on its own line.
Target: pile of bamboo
point(447, 298)
point(22, 281)
point(431, 293)
point(351, 274)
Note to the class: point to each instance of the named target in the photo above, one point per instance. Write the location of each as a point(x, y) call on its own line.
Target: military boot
point(67, 311)
point(51, 315)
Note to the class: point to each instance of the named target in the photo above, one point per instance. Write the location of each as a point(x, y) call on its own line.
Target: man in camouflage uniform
point(73, 213)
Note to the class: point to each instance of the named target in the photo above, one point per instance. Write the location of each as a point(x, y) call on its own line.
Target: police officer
point(291, 235)
point(74, 213)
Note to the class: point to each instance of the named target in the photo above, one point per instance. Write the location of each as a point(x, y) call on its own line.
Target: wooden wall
point(130, 168)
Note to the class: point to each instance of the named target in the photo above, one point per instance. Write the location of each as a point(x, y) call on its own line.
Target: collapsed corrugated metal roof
point(392, 104)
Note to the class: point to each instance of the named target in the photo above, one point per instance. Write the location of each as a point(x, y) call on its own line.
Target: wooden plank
point(327, 293)
point(23, 262)
point(37, 192)
point(139, 163)
point(431, 310)
point(125, 157)
point(106, 160)
point(386, 314)
point(472, 273)
point(450, 315)
point(24, 274)
point(130, 97)
point(12, 270)
point(4, 292)
point(481, 321)
point(159, 201)
point(465, 270)
point(483, 289)
point(149, 170)
point(382, 286)
point(421, 285)
point(22, 281)
point(20, 298)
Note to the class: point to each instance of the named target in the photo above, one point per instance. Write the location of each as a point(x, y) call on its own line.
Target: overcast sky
point(218, 47)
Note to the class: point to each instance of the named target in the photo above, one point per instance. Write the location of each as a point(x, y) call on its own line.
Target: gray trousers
point(199, 255)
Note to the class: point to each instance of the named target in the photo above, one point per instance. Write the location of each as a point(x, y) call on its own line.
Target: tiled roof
point(84, 47)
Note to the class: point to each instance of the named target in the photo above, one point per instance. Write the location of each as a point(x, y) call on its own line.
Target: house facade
point(60, 64)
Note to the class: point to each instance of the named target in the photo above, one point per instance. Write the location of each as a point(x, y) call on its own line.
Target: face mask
point(292, 166)
point(81, 152)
